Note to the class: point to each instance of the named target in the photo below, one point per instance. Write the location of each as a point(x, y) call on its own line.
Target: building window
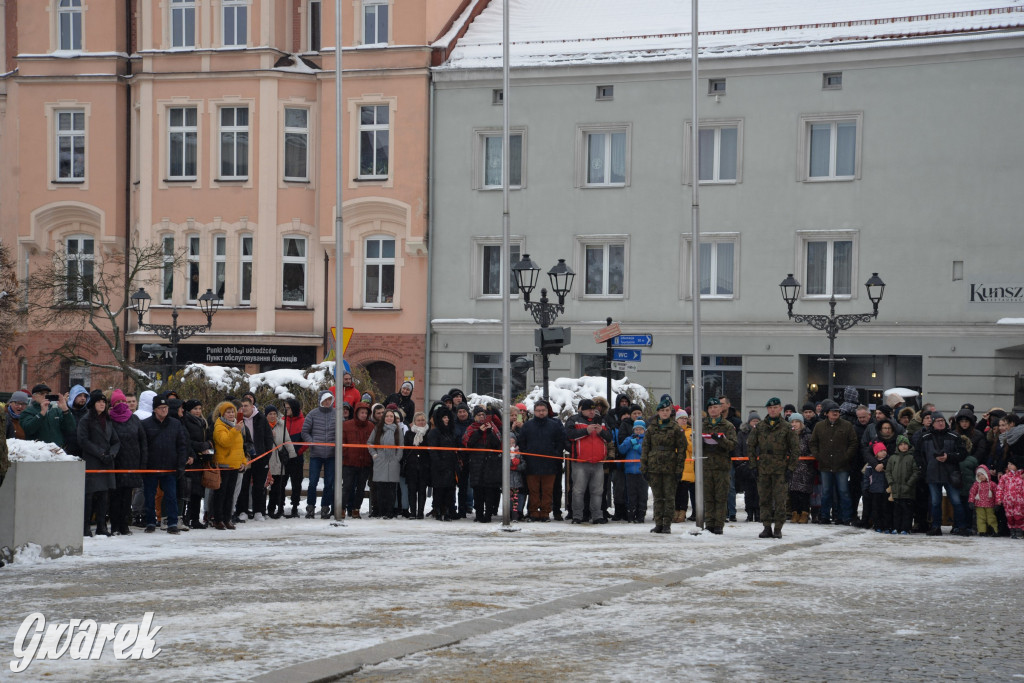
point(81, 375)
point(828, 267)
point(605, 92)
point(374, 141)
point(293, 271)
point(235, 21)
point(167, 271)
point(314, 25)
point(245, 275)
point(80, 263)
point(495, 270)
point(193, 269)
point(716, 86)
point(832, 80)
point(220, 255)
point(296, 144)
point(234, 142)
point(183, 23)
point(379, 270)
point(720, 144)
point(831, 147)
point(722, 375)
point(23, 372)
point(69, 22)
point(183, 133)
point(604, 265)
point(603, 155)
point(487, 375)
point(719, 265)
point(497, 96)
point(70, 145)
point(593, 365)
point(492, 162)
point(375, 22)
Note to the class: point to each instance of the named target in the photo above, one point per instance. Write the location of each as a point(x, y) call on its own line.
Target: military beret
point(773, 401)
point(712, 401)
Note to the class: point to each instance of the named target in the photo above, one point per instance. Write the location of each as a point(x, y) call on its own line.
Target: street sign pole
point(608, 353)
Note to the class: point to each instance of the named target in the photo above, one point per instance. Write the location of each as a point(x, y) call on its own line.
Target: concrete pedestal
point(42, 503)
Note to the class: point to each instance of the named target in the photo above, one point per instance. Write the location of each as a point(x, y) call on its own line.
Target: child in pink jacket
point(983, 498)
point(1010, 494)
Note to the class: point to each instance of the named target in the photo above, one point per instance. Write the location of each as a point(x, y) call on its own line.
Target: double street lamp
point(174, 333)
point(549, 340)
point(832, 324)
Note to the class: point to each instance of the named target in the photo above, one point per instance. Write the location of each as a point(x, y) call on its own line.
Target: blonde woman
point(229, 456)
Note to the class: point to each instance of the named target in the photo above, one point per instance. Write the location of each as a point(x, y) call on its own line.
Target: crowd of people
point(167, 462)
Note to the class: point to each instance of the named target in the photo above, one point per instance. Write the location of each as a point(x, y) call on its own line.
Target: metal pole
point(545, 364)
point(506, 250)
point(339, 252)
point(698, 381)
point(174, 341)
point(608, 355)
point(831, 363)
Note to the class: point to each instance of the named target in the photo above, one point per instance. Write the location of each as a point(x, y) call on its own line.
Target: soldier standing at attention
point(662, 459)
point(719, 441)
point(775, 450)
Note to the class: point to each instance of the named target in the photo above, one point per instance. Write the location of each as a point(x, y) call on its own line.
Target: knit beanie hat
point(878, 447)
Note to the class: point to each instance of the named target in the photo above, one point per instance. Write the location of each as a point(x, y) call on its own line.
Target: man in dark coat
point(942, 450)
point(167, 444)
point(542, 443)
point(254, 481)
point(833, 445)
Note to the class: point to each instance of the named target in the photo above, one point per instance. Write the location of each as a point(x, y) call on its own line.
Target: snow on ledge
point(21, 450)
point(463, 321)
point(1010, 321)
point(901, 391)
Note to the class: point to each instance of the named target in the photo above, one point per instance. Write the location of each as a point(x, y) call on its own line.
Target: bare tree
point(84, 292)
point(13, 312)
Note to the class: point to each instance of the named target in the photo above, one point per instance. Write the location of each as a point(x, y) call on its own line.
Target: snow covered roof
point(552, 32)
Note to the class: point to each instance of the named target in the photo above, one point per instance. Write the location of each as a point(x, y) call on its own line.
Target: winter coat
point(386, 461)
point(145, 408)
point(773, 446)
point(319, 427)
point(133, 454)
point(587, 447)
point(983, 493)
point(933, 444)
point(356, 432)
point(718, 455)
point(978, 443)
point(484, 466)
point(518, 467)
point(416, 458)
point(167, 443)
point(834, 445)
point(293, 423)
point(200, 442)
point(55, 427)
point(228, 449)
point(98, 444)
point(261, 435)
point(286, 451)
point(539, 438)
point(631, 450)
point(876, 481)
point(1010, 493)
point(664, 449)
point(902, 474)
point(404, 403)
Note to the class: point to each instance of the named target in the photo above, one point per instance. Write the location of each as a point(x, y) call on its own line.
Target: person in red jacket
point(356, 463)
point(589, 439)
point(349, 393)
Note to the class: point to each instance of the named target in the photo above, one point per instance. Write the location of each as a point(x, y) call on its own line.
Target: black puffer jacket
point(484, 465)
point(933, 444)
point(98, 445)
point(134, 452)
point(168, 444)
point(444, 462)
point(979, 444)
point(416, 460)
point(200, 440)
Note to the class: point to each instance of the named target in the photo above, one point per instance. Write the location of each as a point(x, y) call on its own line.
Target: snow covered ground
point(837, 603)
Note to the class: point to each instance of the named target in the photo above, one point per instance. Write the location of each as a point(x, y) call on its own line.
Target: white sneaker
point(258, 517)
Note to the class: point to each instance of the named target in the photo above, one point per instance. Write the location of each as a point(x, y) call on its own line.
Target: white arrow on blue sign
point(633, 340)
point(626, 354)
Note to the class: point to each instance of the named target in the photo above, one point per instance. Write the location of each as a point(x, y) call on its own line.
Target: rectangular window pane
point(492, 161)
point(595, 270)
point(295, 247)
point(817, 254)
point(373, 249)
point(727, 154)
point(821, 136)
point(387, 248)
point(492, 270)
point(295, 155)
point(294, 279)
point(387, 284)
point(616, 268)
point(595, 158)
point(314, 25)
point(246, 281)
point(842, 268)
point(705, 268)
point(707, 154)
point(618, 161)
point(227, 154)
point(190, 154)
point(725, 268)
point(218, 279)
point(193, 281)
point(372, 284)
point(846, 148)
point(382, 23)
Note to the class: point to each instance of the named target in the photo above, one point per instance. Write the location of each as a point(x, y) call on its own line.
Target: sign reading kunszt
point(996, 294)
point(82, 639)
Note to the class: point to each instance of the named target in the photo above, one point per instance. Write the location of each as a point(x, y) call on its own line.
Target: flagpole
point(339, 257)
point(696, 420)
point(506, 250)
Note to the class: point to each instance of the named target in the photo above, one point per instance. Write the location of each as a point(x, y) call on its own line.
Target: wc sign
point(82, 639)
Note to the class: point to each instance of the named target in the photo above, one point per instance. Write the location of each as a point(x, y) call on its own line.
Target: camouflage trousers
point(773, 491)
point(663, 486)
point(716, 494)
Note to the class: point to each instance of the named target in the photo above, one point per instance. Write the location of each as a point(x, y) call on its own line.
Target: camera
point(53, 397)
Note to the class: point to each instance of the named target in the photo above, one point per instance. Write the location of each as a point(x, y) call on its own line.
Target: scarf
point(120, 412)
point(772, 421)
point(420, 432)
point(1013, 436)
point(230, 425)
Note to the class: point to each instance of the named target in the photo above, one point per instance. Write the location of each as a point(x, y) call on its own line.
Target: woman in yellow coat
point(229, 457)
point(686, 490)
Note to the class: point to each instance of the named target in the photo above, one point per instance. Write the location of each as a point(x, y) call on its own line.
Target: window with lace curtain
point(719, 265)
point(603, 152)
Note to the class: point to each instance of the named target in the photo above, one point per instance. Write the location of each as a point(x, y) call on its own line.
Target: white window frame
point(804, 146)
point(220, 265)
point(167, 269)
point(244, 261)
point(294, 131)
point(73, 12)
point(374, 128)
point(314, 26)
point(583, 133)
point(717, 125)
point(186, 131)
point(830, 236)
point(74, 135)
point(236, 132)
point(686, 261)
point(480, 137)
point(238, 8)
point(379, 262)
point(180, 10)
point(293, 260)
point(584, 241)
point(194, 268)
point(373, 7)
point(477, 265)
point(492, 365)
point(80, 257)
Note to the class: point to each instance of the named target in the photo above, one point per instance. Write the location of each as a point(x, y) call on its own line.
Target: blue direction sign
point(633, 340)
point(626, 354)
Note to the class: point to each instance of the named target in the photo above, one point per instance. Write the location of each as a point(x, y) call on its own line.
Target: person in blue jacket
point(636, 486)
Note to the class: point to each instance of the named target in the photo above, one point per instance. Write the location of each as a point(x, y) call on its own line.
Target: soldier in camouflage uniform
point(719, 441)
point(774, 450)
point(662, 459)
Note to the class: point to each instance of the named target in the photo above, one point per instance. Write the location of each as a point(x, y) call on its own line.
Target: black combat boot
point(778, 530)
point(767, 532)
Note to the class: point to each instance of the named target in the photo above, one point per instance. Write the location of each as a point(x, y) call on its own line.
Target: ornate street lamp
point(174, 333)
point(548, 340)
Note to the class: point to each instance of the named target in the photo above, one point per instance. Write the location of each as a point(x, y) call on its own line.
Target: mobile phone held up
point(53, 397)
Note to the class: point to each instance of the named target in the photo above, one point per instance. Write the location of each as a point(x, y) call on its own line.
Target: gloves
point(635, 441)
